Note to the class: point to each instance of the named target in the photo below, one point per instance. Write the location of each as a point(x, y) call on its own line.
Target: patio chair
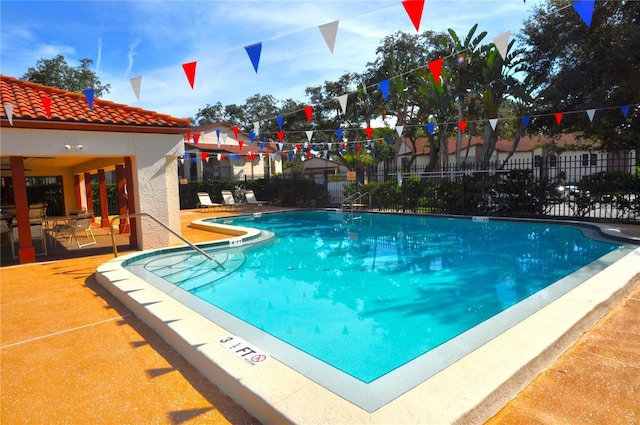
point(37, 212)
point(75, 226)
point(228, 200)
point(205, 203)
point(37, 234)
point(251, 199)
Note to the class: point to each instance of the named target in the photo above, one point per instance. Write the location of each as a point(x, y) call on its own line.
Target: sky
point(152, 39)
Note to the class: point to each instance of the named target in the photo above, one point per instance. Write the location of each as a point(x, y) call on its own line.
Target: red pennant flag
point(344, 145)
point(309, 111)
point(558, 116)
point(414, 10)
point(462, 125)
point(205, 155)
point(280, 135)
point(369, 132)
point(297, 146)
point(196, 138)
point(190, 70)
point(308, 154)
point(235, 131)
point(358, 147)
point(46, 102)
point(436, 67)
point(188, 136)
point(240, 143)
point(222, 157)
point(380, 140)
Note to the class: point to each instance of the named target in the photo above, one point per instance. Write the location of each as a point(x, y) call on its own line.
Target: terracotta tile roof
point(69, 107)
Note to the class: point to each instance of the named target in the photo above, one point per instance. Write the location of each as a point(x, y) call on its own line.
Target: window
point(585, 159)
point(553, 160)
point(538, 161)
point(594, 159)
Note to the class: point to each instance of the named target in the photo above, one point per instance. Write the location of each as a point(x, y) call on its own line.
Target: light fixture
point(73, 146)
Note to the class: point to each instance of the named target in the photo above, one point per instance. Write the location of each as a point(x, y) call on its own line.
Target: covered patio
point(53, 133)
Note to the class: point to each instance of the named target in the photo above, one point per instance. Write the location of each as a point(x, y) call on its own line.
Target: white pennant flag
point(280, 146)
point(309, 134)
point(256, 128)
point(590, 114)
point(343, 103)
point(502, 43)
point(219, 156)
point(493, 122)
point(273, 155)
point(325, 153)
point(223, 136)
point(329, 32)
point(135, 85)
point(329, 145)
point(399, 130)
point(8, 108)
point(181, 160)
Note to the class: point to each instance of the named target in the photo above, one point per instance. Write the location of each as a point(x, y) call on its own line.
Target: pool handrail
point(113, 235)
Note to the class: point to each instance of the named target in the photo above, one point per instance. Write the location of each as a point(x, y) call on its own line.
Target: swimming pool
point(355, 301)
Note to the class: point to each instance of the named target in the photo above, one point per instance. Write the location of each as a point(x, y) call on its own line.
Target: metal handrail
point(113, 235)
point(351, 199)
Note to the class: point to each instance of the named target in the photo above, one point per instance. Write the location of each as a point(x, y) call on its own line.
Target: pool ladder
point(351, 201)
point(115, 248)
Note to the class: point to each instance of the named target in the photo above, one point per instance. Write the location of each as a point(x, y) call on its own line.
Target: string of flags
point(414, 9)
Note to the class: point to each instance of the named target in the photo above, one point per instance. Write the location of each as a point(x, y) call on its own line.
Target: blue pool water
point(368, 293)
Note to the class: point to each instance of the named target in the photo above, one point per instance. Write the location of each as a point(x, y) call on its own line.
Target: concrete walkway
point(71, 353)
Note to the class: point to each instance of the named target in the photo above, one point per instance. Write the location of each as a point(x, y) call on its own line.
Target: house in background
point(212, 152)
point(574, 157)
point(73, 142)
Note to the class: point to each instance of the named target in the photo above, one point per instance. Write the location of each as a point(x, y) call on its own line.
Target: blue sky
point(152, 39)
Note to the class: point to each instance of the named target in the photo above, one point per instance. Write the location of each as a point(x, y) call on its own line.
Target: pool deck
point(75, 354)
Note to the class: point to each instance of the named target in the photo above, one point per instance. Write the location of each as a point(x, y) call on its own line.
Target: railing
point(353, 198)
point(115, 248)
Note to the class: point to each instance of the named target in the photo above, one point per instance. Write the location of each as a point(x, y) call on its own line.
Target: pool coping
point(471, 390)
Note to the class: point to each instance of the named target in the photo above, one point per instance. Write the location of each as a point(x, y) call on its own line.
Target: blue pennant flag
point(384, 88)
point(431, 128)
point(88, 93)
point(254, 51)
point(585, 9)
point(252, 136)
point(625, 110)
point(279, 119)
point(261, 146)
point(525, 121)
point(339, 133)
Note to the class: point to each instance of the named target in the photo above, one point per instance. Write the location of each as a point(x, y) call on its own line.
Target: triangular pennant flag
point(329, 145)
point(279, 120)
point(343, 103)
point(224, 138)
point(254, 51)
point(558, 116)
point(297, 147)
point(186, 155)
point(205, 156)
point(280, 146)
point(136, 82)
point(88, 94)
point(272, 155)
point(399, 130)
point(435, 67)
point(252, 137)
point(329, 32)
point(502, 43)
point(196, 138)
point(190, 71)
point(525, 121)
point(625, 110)
point(431, 128)
point(358, 148)
point(8, 109)
point(493, 122)
point(591, 113)
point(223, 157)
point(46, 102)
point(280, 135)
point(462, 125)
point(256, 127)
point(414, 10)
point(309, 111)
point(240, 143)
point(261, 146)
point(384, 88)
point(585, 9)
point(181, 160)
point(339, 133)
point(291, 155)
point(218, 135)
point(369, 132)
point(235, 131)
point(188, 136)
point(194, 160)
point(309, 134)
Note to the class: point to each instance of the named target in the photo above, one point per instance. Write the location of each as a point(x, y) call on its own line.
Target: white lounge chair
point(228, 200)
point(205, 202)
point(251, 199)
point(37, 234)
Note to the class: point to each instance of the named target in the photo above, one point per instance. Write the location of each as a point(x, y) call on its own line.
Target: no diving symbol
point(258, 358)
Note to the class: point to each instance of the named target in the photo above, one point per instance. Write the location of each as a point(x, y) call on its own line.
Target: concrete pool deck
point(75, 354)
